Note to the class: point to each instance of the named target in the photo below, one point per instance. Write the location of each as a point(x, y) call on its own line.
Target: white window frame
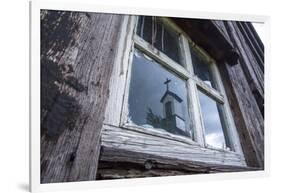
point(120, 84)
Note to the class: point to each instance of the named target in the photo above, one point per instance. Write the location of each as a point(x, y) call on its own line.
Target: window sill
point(134, 139)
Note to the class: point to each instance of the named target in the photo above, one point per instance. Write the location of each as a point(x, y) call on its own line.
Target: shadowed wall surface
point(77, 55)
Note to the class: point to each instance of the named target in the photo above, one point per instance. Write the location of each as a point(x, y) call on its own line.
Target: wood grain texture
point(116, 163)
point(131, 140)
point(77, 56)
point(245, 88)
point(120, 72)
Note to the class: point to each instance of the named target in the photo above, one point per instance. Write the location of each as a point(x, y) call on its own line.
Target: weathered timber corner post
point(77, 56)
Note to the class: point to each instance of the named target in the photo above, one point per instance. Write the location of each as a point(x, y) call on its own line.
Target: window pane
point(201, 68)
point(153, 31)
point(157, 97)
point(214, 134)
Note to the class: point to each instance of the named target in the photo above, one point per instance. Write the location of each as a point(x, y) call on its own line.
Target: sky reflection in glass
point(152, 103)
point(201, 68)
point(214, 134)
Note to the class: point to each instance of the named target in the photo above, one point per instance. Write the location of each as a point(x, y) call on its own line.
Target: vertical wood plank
point(243, 80)
point(77, 57)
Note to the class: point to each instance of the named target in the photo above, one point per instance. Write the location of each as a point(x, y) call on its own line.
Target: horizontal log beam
point(118, 163)
point(142, 141)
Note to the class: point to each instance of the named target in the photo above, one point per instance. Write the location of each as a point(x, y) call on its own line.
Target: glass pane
point(153, 31)
point(214, 134)
point(201, 68)
point(157, 97)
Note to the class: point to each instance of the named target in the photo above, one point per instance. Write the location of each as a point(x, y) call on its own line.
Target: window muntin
point(155, 32)
point(157, 97)
point(186, 72)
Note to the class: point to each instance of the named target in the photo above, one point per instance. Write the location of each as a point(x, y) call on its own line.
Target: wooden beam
point(172, 146)
point(118, 163)
point(245, 113)
point(77, 56)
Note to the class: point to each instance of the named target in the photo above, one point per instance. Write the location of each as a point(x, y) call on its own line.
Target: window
point(174, 88)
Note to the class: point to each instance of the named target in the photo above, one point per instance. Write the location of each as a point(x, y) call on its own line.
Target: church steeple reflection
point(172, 111)
point(157, 98)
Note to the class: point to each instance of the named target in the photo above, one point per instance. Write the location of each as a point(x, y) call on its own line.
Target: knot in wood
point(148, 164)
point(72, 156)
point(232, 57)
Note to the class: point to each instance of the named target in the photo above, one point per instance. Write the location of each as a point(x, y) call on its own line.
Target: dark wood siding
point(77, 56)
point(246, 83)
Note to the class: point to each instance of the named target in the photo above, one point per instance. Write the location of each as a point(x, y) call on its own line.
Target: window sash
point(193, 83)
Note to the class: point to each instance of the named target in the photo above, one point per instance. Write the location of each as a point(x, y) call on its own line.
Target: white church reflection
point(173, 119)
point(173, 115)
point(153, 104)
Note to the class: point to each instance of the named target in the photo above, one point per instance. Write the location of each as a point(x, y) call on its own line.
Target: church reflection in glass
point(157, 97)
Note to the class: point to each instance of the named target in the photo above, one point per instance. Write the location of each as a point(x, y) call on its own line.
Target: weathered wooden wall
point(118, 163)
point(77, 56)
point(244, 83)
